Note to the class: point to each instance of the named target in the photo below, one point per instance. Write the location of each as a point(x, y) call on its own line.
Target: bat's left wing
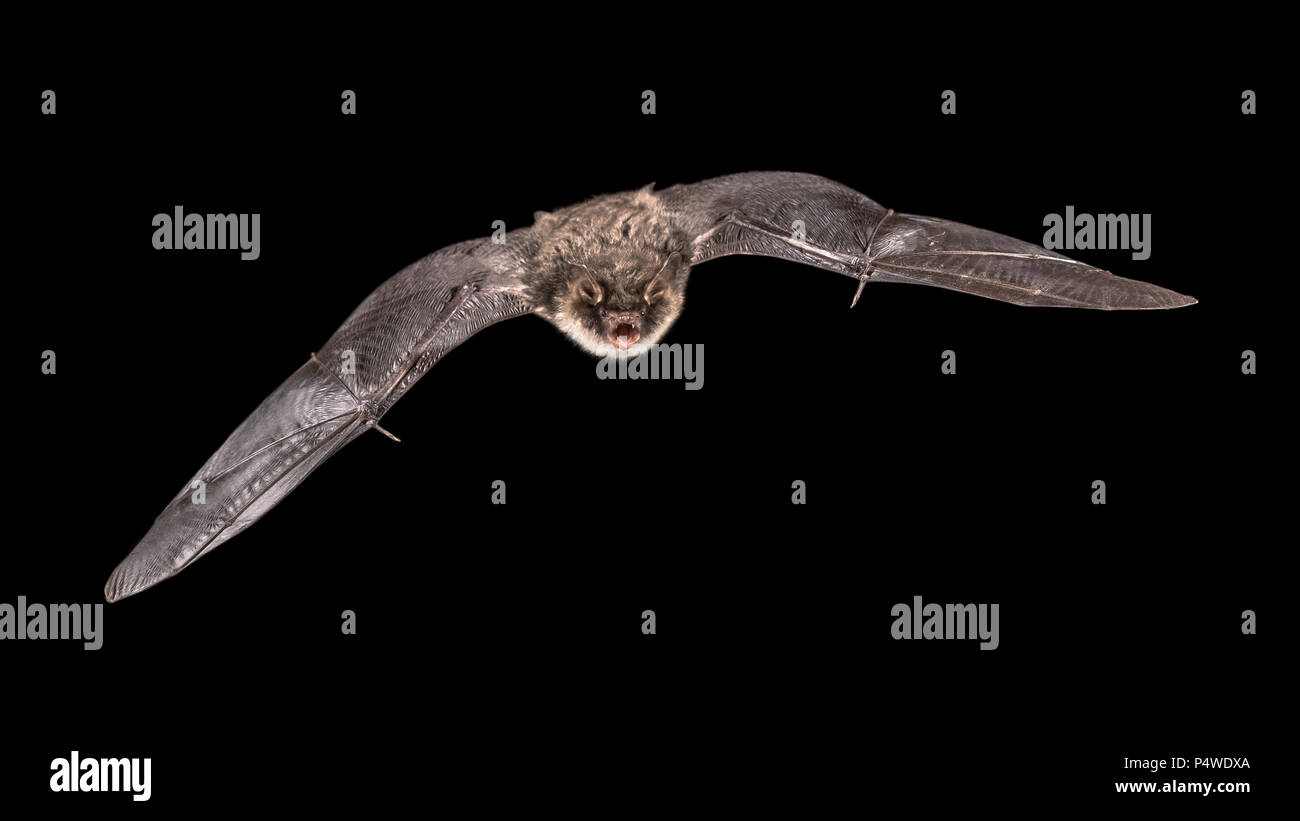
point(819, 222)
point(389, 342)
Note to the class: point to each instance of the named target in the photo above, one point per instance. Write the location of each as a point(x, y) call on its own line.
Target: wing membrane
point(818, 222)
point(391, 340)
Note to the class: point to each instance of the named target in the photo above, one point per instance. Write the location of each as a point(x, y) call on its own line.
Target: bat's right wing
point(816, 221)
point(389, 342)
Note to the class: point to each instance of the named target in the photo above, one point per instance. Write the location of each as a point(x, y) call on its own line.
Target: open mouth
point(625, 335)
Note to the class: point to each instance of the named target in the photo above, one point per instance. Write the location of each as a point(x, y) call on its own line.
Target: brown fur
point(620, 247)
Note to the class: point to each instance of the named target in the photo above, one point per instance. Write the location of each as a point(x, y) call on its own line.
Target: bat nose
point(622, 316)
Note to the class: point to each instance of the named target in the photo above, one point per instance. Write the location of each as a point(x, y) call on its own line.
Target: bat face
point(612, 273)
point(620, 307)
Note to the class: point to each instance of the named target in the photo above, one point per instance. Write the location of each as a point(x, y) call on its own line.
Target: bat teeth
point(626, 334)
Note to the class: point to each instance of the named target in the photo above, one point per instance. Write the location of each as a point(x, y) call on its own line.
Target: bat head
point(611, 272)
point(621, 310)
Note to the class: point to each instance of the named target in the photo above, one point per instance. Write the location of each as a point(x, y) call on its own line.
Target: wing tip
point(1167, 299)
point(124, 583)
point(114, 589)
point(1136, 295)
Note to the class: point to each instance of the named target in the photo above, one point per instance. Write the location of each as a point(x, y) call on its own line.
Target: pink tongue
point(626, 330)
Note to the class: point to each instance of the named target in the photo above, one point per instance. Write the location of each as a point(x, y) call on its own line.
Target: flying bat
point(611, 274)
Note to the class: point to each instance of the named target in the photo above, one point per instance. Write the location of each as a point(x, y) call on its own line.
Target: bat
point(611, 274)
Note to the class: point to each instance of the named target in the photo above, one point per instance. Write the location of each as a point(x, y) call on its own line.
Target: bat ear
point(589, 289)
point(658, 283)
point(665, 271)
point(671, 267)
point(645, 196)
point(540, 216)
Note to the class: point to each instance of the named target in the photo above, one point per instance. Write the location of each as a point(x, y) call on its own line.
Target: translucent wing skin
point(390, 341)
point(843, 231)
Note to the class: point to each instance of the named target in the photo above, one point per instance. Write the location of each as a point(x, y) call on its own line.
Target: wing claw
point(862, 283)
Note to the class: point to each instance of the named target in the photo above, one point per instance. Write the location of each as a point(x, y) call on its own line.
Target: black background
point(499, 659)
